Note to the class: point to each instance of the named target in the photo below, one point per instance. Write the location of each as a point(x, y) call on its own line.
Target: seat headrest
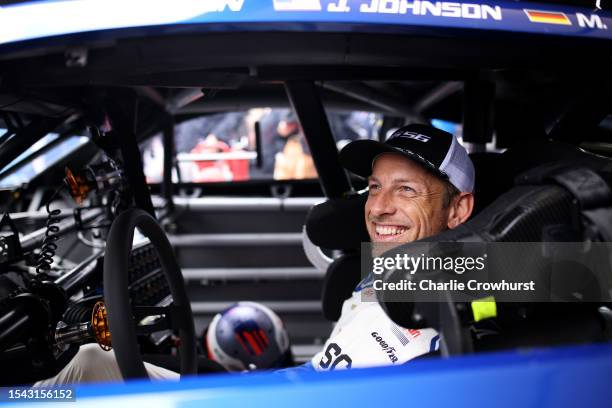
point(338, 223)
point(521, 213)
point(496, 172)
point(516, 216)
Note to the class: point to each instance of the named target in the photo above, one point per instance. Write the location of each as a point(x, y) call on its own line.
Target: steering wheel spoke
point(170, 317)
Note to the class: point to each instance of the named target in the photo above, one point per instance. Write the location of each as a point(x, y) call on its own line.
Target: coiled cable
point(49, 246)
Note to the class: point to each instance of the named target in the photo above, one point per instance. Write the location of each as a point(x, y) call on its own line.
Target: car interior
point(82, 121)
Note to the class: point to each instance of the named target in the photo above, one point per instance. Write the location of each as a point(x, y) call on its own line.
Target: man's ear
point(460, 209)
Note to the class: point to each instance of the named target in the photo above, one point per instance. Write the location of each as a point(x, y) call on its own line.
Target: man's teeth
point(389, 230)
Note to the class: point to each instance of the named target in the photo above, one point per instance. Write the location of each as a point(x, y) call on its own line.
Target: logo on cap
point(415, 136)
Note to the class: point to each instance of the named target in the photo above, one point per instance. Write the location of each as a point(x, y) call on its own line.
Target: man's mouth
point(389, 232)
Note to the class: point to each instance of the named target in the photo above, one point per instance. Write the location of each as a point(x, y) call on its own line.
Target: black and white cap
point(437, 150)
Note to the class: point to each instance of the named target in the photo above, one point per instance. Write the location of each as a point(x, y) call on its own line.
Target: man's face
point(405, 202)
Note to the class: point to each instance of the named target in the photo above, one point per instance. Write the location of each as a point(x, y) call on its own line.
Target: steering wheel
point(121, 316)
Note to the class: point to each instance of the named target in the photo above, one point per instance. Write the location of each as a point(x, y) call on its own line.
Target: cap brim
point(358, 157)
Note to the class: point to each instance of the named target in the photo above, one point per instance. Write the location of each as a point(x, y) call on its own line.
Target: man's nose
point(382, 204)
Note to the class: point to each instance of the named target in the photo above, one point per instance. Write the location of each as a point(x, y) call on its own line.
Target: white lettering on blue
point(592, 21)
point(437, 9)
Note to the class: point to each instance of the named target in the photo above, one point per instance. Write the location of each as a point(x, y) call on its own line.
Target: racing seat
point(564, 200)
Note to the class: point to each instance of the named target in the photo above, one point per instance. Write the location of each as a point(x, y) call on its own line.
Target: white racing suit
point(365, 336)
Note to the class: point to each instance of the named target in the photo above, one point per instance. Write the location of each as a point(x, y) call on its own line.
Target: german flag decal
point(547, 17)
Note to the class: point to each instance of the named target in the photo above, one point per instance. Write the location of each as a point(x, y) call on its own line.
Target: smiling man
point(420, 183)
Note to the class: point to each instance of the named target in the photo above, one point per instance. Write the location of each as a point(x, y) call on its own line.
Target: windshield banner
point(40, 19)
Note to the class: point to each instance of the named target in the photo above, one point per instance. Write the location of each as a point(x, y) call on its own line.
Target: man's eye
point(407, 190)
point(373, 187)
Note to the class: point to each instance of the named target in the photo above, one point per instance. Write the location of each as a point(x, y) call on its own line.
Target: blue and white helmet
point(248, 335)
